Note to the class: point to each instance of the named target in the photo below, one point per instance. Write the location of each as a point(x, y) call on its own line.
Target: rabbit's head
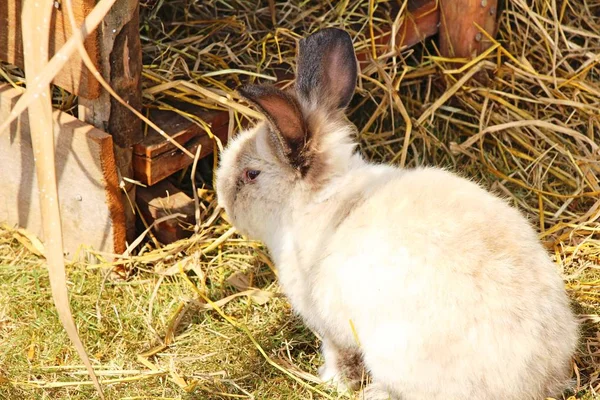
point(304, 141)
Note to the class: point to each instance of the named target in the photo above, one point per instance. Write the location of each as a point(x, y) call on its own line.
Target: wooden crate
point(155, 159)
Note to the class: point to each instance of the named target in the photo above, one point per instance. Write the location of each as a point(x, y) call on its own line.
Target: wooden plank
point(74, 77)
point(155, 159)
point(88, 186)
point(420, 22)
point(165, 199)
point(120, 53)
point(179, 128)
point(459, 35)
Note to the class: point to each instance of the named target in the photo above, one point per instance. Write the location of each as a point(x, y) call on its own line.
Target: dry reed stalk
point(36, 29)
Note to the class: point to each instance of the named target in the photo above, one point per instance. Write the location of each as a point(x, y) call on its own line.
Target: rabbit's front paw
point(330, 374)
point(375, 391)
point(343, 368)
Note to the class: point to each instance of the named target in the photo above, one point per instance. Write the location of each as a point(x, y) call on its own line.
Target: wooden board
point(91, 208)
point(421, 20)
point(154, 159)
point(121, 66)
point(74, 77)
point(165, 199)
point(459, 35)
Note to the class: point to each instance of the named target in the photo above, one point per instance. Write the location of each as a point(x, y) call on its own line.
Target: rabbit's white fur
point(445, 286)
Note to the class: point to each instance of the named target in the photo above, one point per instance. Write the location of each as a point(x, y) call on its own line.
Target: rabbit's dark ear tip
point(327, 68)
point(328, 34)
point(253, 93)
point(248, 91)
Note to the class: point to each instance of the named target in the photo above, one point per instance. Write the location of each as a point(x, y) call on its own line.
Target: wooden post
point(459, 35)
point(121, 65)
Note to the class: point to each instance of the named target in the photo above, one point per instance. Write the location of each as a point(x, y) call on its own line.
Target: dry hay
point(524, 119)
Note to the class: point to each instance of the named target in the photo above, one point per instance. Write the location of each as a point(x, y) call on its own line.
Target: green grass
point(200, 356)
point(119, 320)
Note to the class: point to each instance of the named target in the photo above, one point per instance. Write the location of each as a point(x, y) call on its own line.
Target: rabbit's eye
point(251, 174)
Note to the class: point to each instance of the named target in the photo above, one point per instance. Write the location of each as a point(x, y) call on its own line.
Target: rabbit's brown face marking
point(303, 142)
point(232, 171)
point(253, 182)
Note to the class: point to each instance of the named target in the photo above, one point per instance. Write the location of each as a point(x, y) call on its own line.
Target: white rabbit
point(441, 289)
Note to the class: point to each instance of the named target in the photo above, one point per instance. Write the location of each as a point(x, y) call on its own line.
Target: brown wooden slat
point(74, 77)
point(155, 158)
point(459, 35)
point(181, 128)
point(421, 21)
point(165, 199)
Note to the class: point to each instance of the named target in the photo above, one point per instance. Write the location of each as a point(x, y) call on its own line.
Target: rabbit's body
point(455, 299)
point(439, 287)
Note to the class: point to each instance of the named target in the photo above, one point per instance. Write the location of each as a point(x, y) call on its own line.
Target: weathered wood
point(421, 20)
point(165, 199)
point(74, 77)
point(89, 195)
point(459, 35)
point(121, 66)
point(155, 159)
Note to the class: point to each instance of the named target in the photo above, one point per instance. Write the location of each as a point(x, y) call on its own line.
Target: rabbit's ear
point(288, 127)
point(327, 68)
